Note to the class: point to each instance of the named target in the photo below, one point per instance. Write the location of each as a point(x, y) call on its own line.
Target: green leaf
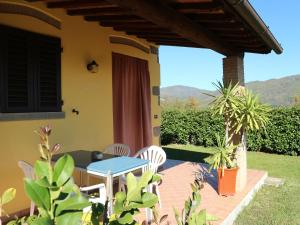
point(177, 216)
point(119, 203)
point(43, 169)
point(75, 202)
point(134, 192)
point(145, 179)
point(8, 196)
point(55, 193)
point(210, 217)
point(149, 200)
point(155, 178)
point(201, 217)
point(131, 181)
point(38, 194)
point(127, 218)
point(63, 169)
point(70, 186)
point(44, 182)
point(71, 218)
point(42, 221)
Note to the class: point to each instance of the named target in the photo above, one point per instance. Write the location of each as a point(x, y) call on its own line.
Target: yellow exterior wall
point(91, 94)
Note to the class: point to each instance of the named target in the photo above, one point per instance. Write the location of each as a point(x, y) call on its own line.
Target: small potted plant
point(223, 160)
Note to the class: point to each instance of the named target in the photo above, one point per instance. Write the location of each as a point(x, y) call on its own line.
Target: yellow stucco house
point(64, 63)
point(88, 93)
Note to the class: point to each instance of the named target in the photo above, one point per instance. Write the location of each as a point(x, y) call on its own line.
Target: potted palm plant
point(223, 160)
point(241, 111)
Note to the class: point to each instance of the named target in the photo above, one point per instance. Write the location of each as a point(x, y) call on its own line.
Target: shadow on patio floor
point(190, 156)
point(196, 159)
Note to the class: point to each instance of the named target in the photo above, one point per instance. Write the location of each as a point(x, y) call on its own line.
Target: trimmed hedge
point(198, 127)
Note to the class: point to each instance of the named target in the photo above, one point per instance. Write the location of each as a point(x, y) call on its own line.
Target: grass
point(271, 205)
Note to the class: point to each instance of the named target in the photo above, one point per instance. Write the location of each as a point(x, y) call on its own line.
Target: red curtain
point(131, 102)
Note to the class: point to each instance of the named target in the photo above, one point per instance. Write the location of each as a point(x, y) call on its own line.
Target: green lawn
point(271, 205)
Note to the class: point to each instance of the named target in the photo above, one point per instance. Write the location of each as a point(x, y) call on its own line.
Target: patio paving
point(175, 189)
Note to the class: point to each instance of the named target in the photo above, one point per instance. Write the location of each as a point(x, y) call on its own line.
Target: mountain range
point(276, 92)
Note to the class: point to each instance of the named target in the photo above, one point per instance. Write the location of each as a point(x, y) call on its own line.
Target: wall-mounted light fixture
point(93, 67)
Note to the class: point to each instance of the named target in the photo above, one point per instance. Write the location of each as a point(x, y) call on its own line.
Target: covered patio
point(98, 28)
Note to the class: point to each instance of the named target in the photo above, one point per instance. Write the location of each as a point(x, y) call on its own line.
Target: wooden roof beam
point(236, 35)
point(157, 35)
point(96, 11)
point(168, 39)
point(201, 11)
point(161, 15)
point(195, 5)
point(113, 18)
point(126, 23)
point(77, 4)
point(139, 29)
point(179, 44)
point(128, 26)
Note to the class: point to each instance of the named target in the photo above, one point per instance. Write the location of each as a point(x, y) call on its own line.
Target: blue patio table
point(115, 167)
point(83, 158)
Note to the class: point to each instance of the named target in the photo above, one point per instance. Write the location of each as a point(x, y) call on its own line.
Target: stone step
point(274, 181)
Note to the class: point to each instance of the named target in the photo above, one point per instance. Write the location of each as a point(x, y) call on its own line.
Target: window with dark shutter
point(49, 71)
point(29, 72)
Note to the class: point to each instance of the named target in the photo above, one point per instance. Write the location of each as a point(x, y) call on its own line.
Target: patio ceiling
point(229, 27)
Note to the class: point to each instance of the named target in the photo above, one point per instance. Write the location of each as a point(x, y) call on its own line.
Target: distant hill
point(277, 92)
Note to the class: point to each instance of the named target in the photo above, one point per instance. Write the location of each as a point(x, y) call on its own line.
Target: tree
point(192, 103)
point(297, 100)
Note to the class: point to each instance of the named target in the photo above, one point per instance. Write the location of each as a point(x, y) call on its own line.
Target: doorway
point(131, 102)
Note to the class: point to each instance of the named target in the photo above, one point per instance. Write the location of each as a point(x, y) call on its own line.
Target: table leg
point(109, 183)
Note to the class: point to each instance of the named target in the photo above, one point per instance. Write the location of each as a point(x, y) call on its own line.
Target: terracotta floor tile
point(175, 189)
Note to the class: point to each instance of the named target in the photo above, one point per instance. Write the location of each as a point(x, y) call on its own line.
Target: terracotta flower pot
point(227, 181)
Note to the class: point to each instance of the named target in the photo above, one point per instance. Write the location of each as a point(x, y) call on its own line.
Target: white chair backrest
point(27, 169)
point(118, 149)
point(156, 155)
point(94, 199)
point(102, 193)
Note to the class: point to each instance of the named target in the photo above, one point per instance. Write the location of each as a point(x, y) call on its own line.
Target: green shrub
point(175, 127)
point(282, 133)
point(192, 126)
point(198, 127)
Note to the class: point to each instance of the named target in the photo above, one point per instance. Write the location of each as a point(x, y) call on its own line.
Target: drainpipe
point(248, 13)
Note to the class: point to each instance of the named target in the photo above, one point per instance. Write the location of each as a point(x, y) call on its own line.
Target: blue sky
point(199, 67)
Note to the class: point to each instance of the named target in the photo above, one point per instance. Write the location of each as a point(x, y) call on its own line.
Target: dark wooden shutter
point(15, 71)
point(30, 79)
point(48, 75)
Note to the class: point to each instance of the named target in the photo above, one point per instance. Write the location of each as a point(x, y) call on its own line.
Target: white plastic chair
point(157, 157)
point(118, 149)
point(29, 173)
point(101, 198)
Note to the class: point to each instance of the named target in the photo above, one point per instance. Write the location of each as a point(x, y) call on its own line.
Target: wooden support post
point(233, 71)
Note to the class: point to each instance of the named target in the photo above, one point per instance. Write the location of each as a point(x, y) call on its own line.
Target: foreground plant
point(54, 192)
point(224, 157)
point(127, 205)
point(190, 214)
point(7, 196)
point(242, 111)
point(159, 220)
